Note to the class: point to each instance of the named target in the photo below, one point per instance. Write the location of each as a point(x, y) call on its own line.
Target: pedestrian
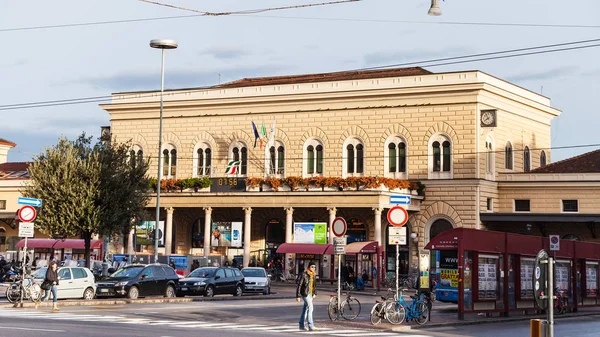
point(307, 292)
point(300, 270)
point(172, 264)
point(195, 264)
point(50, 282)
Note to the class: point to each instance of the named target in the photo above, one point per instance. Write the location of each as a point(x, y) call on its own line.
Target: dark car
point(209, 281)
point(136, 281)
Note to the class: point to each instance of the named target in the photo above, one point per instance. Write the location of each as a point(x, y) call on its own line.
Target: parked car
point(137, 280)
point(74, 282)
point(256, 279)
point(210, 281)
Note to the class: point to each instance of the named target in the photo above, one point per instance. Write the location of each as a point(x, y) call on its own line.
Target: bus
point(446, 276)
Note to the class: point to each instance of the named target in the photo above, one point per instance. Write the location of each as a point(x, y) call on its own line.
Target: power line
point(424, 63)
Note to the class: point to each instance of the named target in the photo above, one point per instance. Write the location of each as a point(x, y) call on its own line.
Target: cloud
point(405, 56)
point(543, 75)
point(226, 53)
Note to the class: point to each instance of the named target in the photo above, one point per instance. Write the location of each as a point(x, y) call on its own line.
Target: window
point(220, 273)
point(526, 159)
point(313, 158)
point(395, 157)
point(169, 161)
point(79, 273)
point(543, 159)
point(489, 159)
point(440, 157)
point(508, 156)
point(522, 205)
point(159, 271)
point(228, 273)
point(239, 152)
point(353, 158)
point(276, 159)
point(489, 204)
point(169, 271)
point(2, 236)
point(202, 160)
point(2, 204)
point(64, 274)
point(136, 156)
point(148, 272)
point(570, 206)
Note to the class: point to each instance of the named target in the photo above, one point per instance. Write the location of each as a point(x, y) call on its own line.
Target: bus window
point(447, 276)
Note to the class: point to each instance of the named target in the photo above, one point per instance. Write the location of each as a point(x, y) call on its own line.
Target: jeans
point(307, 312)
point(54, 294)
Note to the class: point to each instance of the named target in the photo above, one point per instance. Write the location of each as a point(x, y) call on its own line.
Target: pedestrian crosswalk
point(194, 324)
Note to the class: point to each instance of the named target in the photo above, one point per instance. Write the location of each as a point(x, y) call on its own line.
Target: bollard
point(538, 328)
point(544, 328)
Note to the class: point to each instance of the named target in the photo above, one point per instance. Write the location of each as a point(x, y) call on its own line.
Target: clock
point(27, 214)
point(488, 118)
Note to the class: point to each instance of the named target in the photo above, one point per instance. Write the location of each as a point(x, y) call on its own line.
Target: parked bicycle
point(381, 307)
point(23, 290)
point(348, 285)
point(416, 310)
point(350, 308)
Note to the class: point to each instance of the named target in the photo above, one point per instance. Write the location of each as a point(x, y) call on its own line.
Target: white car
point(256, 279)
point(74, 282)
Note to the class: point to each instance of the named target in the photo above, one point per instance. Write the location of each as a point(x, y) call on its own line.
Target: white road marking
point(29, 329)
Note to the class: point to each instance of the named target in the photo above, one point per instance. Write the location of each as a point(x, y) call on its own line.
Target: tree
point(88, 189)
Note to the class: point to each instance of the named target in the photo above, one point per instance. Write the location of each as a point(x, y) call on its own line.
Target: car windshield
point(127, 272)
point(254, 273)
point(202, 272)
point(40, 273)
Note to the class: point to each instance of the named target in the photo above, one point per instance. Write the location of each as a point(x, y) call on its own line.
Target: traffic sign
point(397, 235)
point(339, 226)
point(27, 214)
point(30, 201)
point(339, 246)
point(554, 242)
point(26, 229)
point(400, 199)
point(397, 216)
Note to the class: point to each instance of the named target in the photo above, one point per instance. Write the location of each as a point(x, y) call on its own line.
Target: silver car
point(256, 280)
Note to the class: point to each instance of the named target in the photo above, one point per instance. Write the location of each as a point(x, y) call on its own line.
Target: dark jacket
point(303, 284)
point(51, 276)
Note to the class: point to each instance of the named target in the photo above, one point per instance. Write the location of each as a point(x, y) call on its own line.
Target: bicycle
point(348, 285)
point(19, 291)
point(350, 308)
point(416, 310)
point(379, 309)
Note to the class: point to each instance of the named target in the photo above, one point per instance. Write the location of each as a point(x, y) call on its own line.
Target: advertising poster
point(144, 233)
point(226, 234)
point(591, 279)
point(487, 278)
point(527, 265)
point(310, 232)
point(561, 276)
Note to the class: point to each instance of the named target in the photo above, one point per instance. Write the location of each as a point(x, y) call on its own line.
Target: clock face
point(488, 118)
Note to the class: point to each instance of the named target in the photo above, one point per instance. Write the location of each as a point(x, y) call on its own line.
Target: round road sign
point(339, 226)
point(397, 216)
point(27, 214)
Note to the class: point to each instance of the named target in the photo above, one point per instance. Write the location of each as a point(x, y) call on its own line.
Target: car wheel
point(133, 293)
point(209, 292)
point(88, 294)
point(238, 290)
point(267, 291)
point(170, 292)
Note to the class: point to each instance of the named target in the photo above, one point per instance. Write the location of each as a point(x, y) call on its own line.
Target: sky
point(42, 60)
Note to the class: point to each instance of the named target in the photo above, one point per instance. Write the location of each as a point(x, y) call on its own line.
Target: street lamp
point(160, 44)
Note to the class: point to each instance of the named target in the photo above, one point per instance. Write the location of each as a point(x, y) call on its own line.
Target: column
point(247, 219)
point(289, 220)
point(169, 231)
point(377, 234)
point(207, 231)
point(377, 225)
point(332, 211)
point(130, 243)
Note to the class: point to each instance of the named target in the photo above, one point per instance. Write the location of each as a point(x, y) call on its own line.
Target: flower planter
point(400, 190)
point(252, 188)
point(381, 187)
point(330, 188)
point(285, 188)
point(313, 188)
point(267, 188)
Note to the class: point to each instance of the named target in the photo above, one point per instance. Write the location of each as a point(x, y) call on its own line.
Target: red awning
point(361, 247)
point(77, 244)
point(304, 248)
point(469, 239)
point(59, 244)
point(37, 243)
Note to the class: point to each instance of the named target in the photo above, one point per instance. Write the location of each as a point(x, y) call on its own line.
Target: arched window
point(526, 159)
point(395, 157)
point(275, 156)
point(313, 158)
point(136, 156)
point(508, 156)
point(202, 160)
point(543, 159)
point(239, 152)
point(489, 159)
point(353, 157)
point(440, 157)
point(169, 161)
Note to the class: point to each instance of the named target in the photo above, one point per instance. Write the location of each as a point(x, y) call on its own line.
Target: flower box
point(252, 188)
point(313, 188)
point(267, 188)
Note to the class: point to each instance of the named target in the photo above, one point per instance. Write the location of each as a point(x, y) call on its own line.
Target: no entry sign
point(339, 227)
point(397, 216)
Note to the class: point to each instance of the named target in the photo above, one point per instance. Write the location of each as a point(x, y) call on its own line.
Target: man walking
point(306, 291)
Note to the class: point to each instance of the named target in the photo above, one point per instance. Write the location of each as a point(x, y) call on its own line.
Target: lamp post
point(160, 44)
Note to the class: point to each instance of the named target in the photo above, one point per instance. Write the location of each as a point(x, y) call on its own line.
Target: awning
point(304, 248)
point(469, 239)
point(361, 247)
point(59, 244)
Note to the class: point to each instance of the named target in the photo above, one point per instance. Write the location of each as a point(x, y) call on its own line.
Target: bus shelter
point(495, 270)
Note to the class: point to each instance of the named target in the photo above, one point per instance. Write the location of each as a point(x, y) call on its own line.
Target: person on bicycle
point(306, 291)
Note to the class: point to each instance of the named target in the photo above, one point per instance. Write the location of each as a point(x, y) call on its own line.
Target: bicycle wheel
point(377, 313)
point(422, 313)
point(395, 313)
point(13, 294)
point(35, 292)
point(350, 308)
point(332, 309)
